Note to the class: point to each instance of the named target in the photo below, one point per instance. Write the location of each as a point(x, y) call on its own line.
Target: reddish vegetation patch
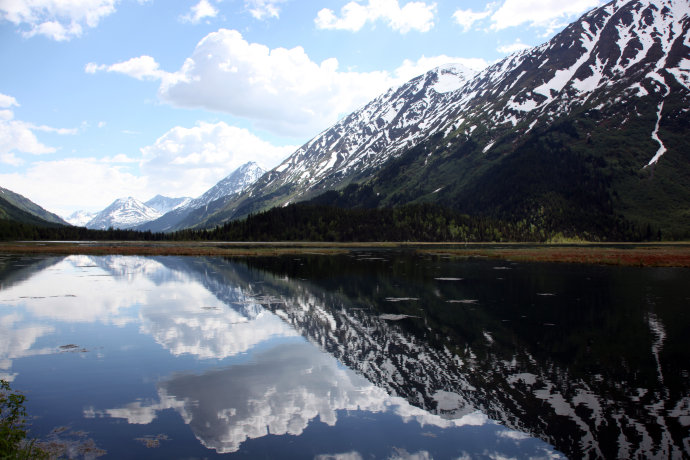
point(660, 255)
point(643, 256)
point(167, 249)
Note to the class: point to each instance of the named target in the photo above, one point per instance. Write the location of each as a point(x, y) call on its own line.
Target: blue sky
point(101, 99)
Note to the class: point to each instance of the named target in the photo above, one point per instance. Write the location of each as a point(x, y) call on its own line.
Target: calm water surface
point(379, 354)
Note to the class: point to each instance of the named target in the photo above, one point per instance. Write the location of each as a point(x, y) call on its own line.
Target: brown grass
point(650, 255)
point(623, 255)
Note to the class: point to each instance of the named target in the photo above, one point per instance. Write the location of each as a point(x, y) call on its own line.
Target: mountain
point(355, 147)
point(80, 218)
point(12, 202)
point(123, 213)
point(583, 133)
point(164, 204)
point(193, 211)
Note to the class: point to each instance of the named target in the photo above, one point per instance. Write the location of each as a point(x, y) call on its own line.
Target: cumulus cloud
point(189, 161)
point(467, 18)
point(548, 14)
point(76, 179)
point(199, 12)
point(262, 9)
point(281, 90)
point(58, 20)
point(18, 136)
point(513, 47)
point(353, 16)
point(141, 68)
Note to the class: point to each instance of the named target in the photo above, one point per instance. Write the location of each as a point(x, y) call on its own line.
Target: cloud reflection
point(279, 392)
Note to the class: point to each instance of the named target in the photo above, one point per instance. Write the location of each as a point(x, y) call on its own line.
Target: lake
point(369, 354)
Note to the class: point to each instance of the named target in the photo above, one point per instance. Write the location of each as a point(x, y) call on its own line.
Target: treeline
point(317, 222)
point(416, 222)
point(13, 231)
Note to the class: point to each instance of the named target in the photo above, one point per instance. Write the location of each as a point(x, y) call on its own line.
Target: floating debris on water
point(463, 301)
point(71, 348)
point(59, 445)
point(151, 441)
point(400, 299)
point(545, 294)
point(448, 279)
point(503, 268)
point(394, 317)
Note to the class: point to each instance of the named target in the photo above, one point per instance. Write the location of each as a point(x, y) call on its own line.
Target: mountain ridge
point(193, 210)
point(23, 204)
point(606, 97)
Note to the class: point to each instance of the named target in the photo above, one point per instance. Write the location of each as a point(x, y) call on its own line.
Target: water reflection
point(591, 360)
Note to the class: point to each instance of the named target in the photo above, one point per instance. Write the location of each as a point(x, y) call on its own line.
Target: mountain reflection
point(592, 368)
point(592, 360)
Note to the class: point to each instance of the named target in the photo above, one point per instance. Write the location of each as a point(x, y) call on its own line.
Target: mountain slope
point(164, 204)
point(187, 214)
point(80, 218)
point(24, 204)
point(355, 147)
point(585, 131)
point(123, 213)
point(12, 214)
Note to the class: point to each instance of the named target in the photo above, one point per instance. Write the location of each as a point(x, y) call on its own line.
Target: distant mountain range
point(188, 214)
point(162, 213)
point(585, 133)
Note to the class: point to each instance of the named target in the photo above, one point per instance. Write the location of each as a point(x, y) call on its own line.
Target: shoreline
point(620, 254)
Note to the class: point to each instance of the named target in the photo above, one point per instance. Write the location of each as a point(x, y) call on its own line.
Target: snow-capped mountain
point(80, 218)
point(190, 212)
point(123, 213)
point(164, 204)
point(612, 90)
point(360, 143)
point(235, 182)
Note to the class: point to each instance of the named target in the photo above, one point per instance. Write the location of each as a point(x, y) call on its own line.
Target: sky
point(103, 99)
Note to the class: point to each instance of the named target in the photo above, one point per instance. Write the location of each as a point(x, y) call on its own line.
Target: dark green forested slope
point(28, 206)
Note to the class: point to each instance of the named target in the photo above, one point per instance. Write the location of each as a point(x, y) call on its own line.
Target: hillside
point(584, 132)
point(31, 212)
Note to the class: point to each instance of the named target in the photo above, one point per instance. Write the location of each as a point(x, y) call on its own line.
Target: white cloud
point(283, 90)
point(58, 20)
point(189, 161)
point(141, 68)
point(65, 185)
point(353, 16)
point(261, 9)
point(7, 101)
point(182, 162)
point(513, 47)
point(200, 11)
point(467, 18)
point(18, 136)
point(548, 14)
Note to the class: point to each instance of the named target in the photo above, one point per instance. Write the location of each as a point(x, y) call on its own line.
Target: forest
point(327, 223)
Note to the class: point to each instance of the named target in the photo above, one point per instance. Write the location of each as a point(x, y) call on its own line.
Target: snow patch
point(655, 136)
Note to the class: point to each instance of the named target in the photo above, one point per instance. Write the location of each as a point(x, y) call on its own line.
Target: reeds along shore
point(653, 255)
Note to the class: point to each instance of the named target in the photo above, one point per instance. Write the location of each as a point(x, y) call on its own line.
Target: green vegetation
point(13, 442)
point(311, 221)
point(20, 208)
point(414, 222)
